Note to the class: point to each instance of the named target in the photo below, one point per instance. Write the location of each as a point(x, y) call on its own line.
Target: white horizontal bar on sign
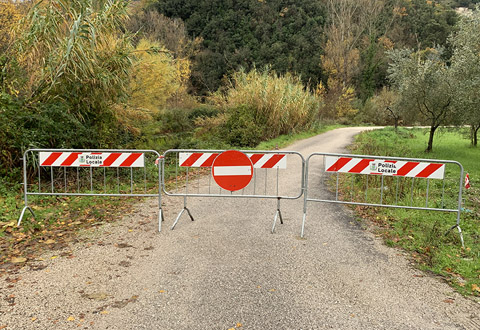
point(231, 170)
point(411, 169)
point(92, 159)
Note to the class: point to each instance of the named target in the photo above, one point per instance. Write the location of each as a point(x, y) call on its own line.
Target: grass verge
point(422, 233)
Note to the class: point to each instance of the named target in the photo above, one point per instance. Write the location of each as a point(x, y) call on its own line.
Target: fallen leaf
point(239, 325)
point(272, 290)
point(33, 319)
point(475, 288)
point(53, 257)
point(17, 260)
point(161, 291)
point(70, 318)
point(3, 326)
point(448, 301)
point(49, 241)
point(104, 312)
point(123, 245)
point(13, 280)
point(96, 296)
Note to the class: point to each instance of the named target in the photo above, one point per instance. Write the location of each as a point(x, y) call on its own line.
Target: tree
point(423, 81)
point(466, 71)
point(387, 101)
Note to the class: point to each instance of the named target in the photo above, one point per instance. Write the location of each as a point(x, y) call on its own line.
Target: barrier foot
point(160, 219)
point(278, 214)
point(303, 225)
point(459, 232)
point(180, 214)
point(22, 214)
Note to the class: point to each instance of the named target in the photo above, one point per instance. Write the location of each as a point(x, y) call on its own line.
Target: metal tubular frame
point(52, 192)
point(187, 193)
point(336, 201)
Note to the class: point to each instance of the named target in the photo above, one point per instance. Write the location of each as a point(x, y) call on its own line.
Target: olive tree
point(466, 71)
point(423, 81)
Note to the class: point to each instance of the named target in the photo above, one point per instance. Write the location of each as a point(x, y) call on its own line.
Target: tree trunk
point(396, 124)
point(430, 138)
point(475, 131)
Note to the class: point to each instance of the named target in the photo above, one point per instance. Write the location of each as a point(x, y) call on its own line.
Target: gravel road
point(227, 271)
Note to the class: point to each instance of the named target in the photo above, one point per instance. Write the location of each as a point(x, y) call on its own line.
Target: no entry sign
point(232, 170)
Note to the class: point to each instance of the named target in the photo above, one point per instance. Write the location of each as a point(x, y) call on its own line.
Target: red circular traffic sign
point(232, 170)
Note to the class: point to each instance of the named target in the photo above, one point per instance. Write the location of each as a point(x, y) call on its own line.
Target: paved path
point(226, 270)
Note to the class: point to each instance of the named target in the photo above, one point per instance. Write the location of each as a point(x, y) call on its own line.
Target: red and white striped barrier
point(384, 167)
point(204, 159)
point(92, 159)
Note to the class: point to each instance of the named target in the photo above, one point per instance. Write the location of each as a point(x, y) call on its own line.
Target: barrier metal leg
point(303, 224)
point(23, 212)
point(278, 214)
point(459, 232)
point(185, 208)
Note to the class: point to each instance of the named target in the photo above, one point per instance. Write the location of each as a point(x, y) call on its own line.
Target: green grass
point(423, 232)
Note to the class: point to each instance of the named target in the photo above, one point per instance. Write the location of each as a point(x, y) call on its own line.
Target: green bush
point(243, 128)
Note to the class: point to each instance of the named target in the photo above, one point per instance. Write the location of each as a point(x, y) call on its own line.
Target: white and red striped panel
point(384, 167)
point(204, 159)
point(92, 159)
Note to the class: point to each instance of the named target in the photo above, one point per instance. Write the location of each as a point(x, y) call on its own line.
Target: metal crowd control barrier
point(267, 167)
point(418, 184)
point(91, 172)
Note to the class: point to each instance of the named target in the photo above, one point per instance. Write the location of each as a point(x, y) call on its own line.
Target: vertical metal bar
point(351, 193)
point(381, 191)
point(460, 187)
point(177, 163)
point(65, 178)
point(443, 192)
point(198, 180)
point(411, 192)
point(366, 190)
point(39, 177)
point(254, 180)
point(186, 182)
point(428, 187)
point(266, 172)
point(277, 179)
point(78, 179)
point(25, 185)
point(91, 179)
point(396, 193)
point(160, 183)
point(118, 180)
point(145, 176)
point(209, 181)
point(336, 190)
point(305, 196)
point(131, 180)
point(51, 177)
point(104, 180)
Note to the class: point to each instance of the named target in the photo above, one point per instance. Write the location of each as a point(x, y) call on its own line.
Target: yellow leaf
point(49, 241)
point(71, 318)
point(475, 288)
point(104, 312)
point(161, 291)
point(239, 325)
point(53, 257)
point(272, 290)
point(33, 319)
point(17, 260)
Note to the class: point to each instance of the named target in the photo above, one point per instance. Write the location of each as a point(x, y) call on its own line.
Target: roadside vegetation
point(424, 234)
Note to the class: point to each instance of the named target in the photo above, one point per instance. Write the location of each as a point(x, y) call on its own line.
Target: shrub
point(281, 101)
